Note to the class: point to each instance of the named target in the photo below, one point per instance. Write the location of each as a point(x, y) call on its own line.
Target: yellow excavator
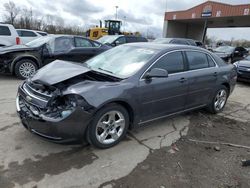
point(112, 27)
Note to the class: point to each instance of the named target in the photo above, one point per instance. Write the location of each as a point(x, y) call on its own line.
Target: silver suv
point(8, 35)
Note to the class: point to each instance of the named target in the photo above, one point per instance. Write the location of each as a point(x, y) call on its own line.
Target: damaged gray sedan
point(125, 87)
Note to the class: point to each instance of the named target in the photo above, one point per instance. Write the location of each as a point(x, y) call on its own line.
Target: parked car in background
point(115, 40)
point(231, 54)
point(29, 35)
point(243, 69)
point(182, 41)
point(124, 87)
point(24, 60)
point(8, 35)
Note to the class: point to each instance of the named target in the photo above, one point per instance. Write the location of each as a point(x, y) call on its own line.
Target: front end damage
point(57, 103)
point(45, 111)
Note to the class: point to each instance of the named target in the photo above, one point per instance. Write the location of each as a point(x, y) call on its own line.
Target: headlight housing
point(64, 106)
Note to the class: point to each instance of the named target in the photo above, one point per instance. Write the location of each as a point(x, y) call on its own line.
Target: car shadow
point(8, 77)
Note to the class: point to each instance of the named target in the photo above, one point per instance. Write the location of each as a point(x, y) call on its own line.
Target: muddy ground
point(193, 164)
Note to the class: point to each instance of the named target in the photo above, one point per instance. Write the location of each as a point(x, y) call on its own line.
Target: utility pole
point(116, 12)
point(124, 25)
point(164, 32)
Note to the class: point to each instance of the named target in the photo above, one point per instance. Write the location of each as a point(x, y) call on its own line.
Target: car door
point(84, 50)
point(163, 96)
point(60, 49)
point(202, 77)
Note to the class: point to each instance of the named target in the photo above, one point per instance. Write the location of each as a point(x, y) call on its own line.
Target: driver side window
point(63, 44)
point(172, 62)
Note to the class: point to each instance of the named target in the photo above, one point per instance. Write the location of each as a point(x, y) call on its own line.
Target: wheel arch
point(19, 58)
point(124, 104)
point(227, 85)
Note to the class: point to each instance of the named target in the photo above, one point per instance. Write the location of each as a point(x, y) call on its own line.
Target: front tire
point(25, 68)
point(109, 126)
point(219, 100)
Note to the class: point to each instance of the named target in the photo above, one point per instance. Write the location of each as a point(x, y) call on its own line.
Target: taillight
point(18, 40)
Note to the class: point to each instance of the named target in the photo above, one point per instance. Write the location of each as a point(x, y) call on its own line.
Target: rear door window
point(197, 60)
point(82, 43)
point(172, 62)
point(28, 34)
point(5, 31)
point(131, 39)
point(210, 61)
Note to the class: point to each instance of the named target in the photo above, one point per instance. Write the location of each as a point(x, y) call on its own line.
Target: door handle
point(182, 80)
point(215, 74)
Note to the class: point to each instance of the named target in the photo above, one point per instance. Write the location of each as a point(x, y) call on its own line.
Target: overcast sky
point(141, 15)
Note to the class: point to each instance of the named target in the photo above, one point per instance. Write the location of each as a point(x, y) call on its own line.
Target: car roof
point(171, 38)
point(62, 35)
point(7, 25)
point(30, 30)
point(158, 46)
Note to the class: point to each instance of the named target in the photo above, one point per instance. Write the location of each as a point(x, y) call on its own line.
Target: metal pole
point(204, 31)
point(116, 14)
point(164, 30)
point(124, 27)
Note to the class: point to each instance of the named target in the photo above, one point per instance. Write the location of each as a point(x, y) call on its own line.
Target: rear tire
point(25, 68)
point(219, 100)
point(109, 126)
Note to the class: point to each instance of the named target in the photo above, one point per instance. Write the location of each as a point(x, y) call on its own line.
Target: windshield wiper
point(105, 70)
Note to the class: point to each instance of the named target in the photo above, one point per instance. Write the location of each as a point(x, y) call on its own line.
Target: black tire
point(21, 63)
point(92, 129)
point(211, 108)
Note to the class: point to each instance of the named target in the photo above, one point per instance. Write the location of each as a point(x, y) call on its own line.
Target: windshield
point(162, 40)
point(248, 58)
point(108, 39)
point(225, 49)
point(40, 41)
point(122, 61)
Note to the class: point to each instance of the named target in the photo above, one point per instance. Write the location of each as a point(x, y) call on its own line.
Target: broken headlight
point(63, 106)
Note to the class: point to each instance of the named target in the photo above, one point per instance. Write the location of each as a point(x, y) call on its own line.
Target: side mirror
point(156, 73)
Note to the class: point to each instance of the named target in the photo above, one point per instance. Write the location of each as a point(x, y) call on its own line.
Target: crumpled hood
point(58, 71)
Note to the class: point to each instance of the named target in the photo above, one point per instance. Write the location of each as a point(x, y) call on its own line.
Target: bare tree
point(12, 11)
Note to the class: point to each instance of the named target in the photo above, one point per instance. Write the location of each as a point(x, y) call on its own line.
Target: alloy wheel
point(220, 100)
point(110, 127)
point(27, 69)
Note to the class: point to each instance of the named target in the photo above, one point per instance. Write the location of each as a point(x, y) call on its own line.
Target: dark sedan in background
point(99, 100)
point(243, 69)
point(24, 60)
point(231, 54)
point(183, 41)
point(116, 40)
